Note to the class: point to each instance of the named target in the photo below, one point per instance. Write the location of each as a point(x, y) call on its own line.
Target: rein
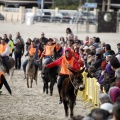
point(72, 82)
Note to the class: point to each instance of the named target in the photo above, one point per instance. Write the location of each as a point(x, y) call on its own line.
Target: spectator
point(108, 50)
point(104, 98)
point(18, 37)
point(5, 38)
point(62, 39)
point(69, 33)
point(114, 93)
point(99, 114)
point(19, 51)
point(116, 112)
point(118, 46)
point(114, 63)
point(43, 39)
point(11, 44)
point(107, 106)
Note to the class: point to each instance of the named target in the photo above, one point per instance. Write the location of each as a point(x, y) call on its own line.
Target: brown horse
point(30, 71)
point(69, 90)
point(11, 64)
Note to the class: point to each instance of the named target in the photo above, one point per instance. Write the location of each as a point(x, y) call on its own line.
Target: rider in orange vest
point(4, 81)
point(66, 61)
point(4, 53)
point(47, 53)
point(32, 51)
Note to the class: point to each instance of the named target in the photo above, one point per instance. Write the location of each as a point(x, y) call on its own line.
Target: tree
point(64, 4)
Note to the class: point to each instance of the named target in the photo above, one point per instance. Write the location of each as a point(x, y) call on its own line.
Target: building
point(26, 3)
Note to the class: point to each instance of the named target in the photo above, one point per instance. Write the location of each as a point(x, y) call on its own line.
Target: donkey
point(11, 64)
point(30, 71)
point(69, 90)
point(51, 74)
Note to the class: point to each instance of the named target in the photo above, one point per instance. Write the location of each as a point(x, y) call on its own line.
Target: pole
point(103, 5)
point(87, 20)
point(108, 5)
point(42, 6)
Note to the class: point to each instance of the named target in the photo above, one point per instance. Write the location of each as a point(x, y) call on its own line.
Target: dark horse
point(51, 74)
point(69, 90)
point(11, 64)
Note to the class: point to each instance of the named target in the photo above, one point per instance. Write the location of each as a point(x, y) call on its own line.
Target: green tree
point(67, 4)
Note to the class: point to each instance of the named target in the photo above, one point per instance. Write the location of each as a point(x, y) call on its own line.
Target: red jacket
point(79, 59)
point(75, 66)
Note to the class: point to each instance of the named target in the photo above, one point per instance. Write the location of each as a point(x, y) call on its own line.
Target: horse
point(51, 74)
point(69, 90)
point(30, 71)
point(11, 64)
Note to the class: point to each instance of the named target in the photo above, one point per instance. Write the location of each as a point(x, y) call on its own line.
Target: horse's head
point(78, 79)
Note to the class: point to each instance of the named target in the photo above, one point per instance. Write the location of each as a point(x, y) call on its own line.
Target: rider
point(66, 61)
point(33, 51)
point(4, 53)
point(47, 53)
point(4, 81)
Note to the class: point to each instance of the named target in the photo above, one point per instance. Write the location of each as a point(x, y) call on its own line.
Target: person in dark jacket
point(43, 39)
point(6, 38)
point(4, 81)
point(19, 51)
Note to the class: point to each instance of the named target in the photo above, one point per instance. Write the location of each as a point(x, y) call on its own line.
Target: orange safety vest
point(32, 50)
point(49, 50)
point(2, 48)
point(1, 73)
point(64, 69)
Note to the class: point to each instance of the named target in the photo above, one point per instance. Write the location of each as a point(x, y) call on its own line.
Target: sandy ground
point(32, 104)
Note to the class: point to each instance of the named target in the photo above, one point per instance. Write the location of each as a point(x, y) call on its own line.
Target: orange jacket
point(1, 73)
point(32, 50)
point(48, 51)
point(65, 62)
point(2, 48)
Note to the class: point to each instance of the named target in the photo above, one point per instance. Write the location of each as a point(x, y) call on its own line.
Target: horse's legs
point(43, 87)
point(11, 74)
point(65, 107)
point(31, 81)
point(72, 102)
point(36, 73)
point(52, 82)
point(27, 82)
point(46, 86)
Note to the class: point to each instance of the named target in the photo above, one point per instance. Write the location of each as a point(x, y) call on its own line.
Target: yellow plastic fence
point(91, 91)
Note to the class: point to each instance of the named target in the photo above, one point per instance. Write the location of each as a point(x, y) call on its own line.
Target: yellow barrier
point(91, 91)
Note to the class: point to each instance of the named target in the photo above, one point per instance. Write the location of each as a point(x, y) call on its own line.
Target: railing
point(91, 92)
point(11, 9)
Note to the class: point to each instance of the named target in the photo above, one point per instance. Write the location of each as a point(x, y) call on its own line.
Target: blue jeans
point(26, 62)
point(46, 61)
